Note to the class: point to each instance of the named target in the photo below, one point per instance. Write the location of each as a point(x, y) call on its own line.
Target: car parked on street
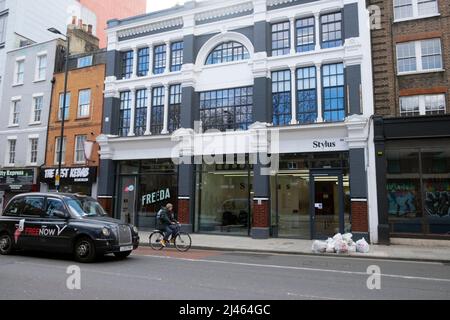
point(65, 223)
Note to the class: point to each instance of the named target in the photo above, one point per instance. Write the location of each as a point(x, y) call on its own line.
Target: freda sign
point(155, 197)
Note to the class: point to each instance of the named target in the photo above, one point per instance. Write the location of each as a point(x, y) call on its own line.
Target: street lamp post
point(63, 111)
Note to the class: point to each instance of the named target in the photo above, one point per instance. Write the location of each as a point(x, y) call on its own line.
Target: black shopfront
point(73, 179)
point(413, 177)
point(16, 181)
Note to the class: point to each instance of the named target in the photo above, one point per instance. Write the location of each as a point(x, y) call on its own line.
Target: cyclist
point(168, 224)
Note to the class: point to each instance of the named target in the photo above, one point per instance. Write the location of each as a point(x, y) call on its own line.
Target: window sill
point(17, 84)
point(416, 18)
point(9, 165)
point(39, 80)
point(82, 118)
point(420, 72)
point(35, 123)
point(13, 126)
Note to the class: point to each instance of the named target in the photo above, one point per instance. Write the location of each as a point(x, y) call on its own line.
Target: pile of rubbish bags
point(341, 244)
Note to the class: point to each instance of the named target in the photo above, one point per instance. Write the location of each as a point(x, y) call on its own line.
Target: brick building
point(109, 9)
point(411, 60)
point(83, 121)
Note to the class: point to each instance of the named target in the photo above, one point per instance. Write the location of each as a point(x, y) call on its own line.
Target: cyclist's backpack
point(158, 216)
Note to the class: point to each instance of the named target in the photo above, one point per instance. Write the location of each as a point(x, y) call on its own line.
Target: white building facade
point(296, 75)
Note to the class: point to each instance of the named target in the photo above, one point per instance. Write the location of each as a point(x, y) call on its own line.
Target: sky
point(155, 5)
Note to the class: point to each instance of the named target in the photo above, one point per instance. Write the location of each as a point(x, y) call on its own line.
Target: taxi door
point(56, 233)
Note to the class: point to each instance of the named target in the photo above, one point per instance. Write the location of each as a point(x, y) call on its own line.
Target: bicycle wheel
point(155, 240)
point(183, 242)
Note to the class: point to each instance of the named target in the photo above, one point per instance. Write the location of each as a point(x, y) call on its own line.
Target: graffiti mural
point(437, 199)
point(402, 199)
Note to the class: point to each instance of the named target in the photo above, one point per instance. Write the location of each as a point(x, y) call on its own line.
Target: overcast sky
point(155, 5)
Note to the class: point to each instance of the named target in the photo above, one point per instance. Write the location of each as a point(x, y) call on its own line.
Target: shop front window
point(145, 187)
point(223, 199)
point(418, 189)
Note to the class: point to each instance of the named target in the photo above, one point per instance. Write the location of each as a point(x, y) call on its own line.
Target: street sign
point(57, 180)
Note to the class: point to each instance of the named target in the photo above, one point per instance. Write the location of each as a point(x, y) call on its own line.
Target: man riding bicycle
point(168, 224)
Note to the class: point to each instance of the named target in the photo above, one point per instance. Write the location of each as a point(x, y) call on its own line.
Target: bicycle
point(182, 241)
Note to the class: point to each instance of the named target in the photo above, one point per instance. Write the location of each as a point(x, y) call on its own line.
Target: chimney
point(84, 27)
point(74, 20)
point(80, 23)
point(90, 28)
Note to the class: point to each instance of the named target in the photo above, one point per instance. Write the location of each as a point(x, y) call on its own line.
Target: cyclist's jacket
point(164, 220)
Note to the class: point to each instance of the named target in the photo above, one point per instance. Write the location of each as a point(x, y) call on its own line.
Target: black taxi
point(66, 223)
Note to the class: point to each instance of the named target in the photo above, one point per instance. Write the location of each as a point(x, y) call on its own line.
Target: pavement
point(420, 250)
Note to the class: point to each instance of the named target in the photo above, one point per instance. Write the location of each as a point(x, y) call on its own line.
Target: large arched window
point(227, 52)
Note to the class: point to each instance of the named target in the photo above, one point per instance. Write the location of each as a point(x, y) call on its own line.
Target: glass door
point(290, 204)
point(327, 203)
point(127, 204)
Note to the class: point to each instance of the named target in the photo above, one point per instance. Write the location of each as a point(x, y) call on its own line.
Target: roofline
point(57, 40)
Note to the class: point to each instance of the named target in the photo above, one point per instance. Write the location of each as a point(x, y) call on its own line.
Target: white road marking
point(84, 269)
point(311, 297)
point(301, 268)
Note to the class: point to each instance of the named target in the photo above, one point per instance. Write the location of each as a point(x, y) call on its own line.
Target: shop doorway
point(290, 205)
point(327, 203)
point(127, 204)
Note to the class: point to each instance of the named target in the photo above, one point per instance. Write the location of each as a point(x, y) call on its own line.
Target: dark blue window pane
point(174, 107)
point(227, 52)
point(143, 62)
point(141, 112)
point(159, 60)
point(176, 56)
point(127, 64)
point(281, 38)
point(333, 92)
point(125, 113)
point(229, 109)
point(331, 30)
point(157, 118)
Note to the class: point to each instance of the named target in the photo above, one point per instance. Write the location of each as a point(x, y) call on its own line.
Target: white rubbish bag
point(337, 237)
point(347, 237)
point(341, 247)
point(362, 246)
point(330, 246)
point(352, 248)
point(319, 246)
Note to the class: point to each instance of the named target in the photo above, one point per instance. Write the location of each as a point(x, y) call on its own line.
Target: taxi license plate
point(128, 248)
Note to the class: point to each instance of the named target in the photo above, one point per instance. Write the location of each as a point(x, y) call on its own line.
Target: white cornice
point(161, 25)
point(272, 3)
point(223, 12)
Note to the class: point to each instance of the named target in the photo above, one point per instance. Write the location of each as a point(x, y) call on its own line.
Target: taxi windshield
point(85, 207)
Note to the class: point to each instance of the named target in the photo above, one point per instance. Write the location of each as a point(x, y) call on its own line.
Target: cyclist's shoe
point(163, 243)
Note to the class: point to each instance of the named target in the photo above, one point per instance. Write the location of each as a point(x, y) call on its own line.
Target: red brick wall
point(388, 87)
point(183, 211)
point(261, 214)
point(359, 216)
point(106, 203)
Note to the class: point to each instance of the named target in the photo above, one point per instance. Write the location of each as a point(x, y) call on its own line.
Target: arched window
point(227, 52)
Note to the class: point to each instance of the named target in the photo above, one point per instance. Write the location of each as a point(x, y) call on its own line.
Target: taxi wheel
point(6, 244)
point(122, 255)
point(85, 250)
